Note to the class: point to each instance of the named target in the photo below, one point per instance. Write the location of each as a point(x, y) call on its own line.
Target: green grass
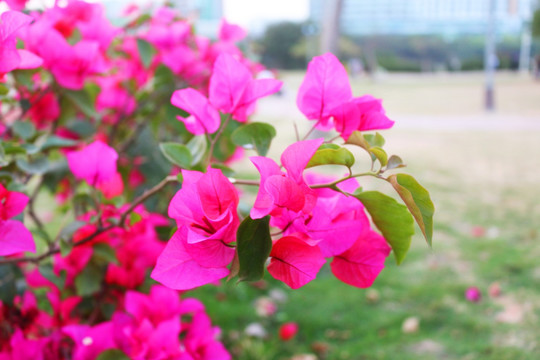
point(477, 177)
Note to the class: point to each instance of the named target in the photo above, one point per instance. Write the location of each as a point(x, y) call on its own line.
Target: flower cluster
point(106, 129)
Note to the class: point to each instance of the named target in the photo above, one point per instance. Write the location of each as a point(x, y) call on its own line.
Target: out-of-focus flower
point(473, 294)
point(288, 331)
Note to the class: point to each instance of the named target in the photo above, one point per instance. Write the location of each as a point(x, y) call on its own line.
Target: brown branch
point(56, 249)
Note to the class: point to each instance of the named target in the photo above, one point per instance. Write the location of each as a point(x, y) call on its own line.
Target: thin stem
point(101, 229)
point(244, 182)
point(311, 130)
point(32, 212)
point(216, 138)
point(333, 184)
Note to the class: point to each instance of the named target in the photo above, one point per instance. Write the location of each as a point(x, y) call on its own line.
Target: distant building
point(207, 14)
point(413, 17)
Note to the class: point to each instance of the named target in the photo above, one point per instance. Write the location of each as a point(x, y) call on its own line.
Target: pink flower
point(288, 331)
point(230, 32)
point(205, 212)
point(204, 117)
point(325, 94)
point(12, 58)
point(361, 264)
point(14, 236)
point(473, 294)
point(294, 261)
point(95, 163)
point(278, 191)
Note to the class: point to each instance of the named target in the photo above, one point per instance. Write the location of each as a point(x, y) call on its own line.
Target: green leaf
point(178, 154)
point(394, 162)
point(380, 154)
point(13, 149)
point(331, 154)
point(253, 245)
point(112, 354)
point(375, 140)
point(3, 160)
point(105, 252)
point(83, 101)
point(256, 135)
point(47, 272)
point(54, 141)
point(24, 129)
point(357, 139)
point(146, 51)
point(67, 232)
point(88, 281)
point(227, 171)
point(8, 287)
point(4, 90)
point(197, 147)
point(418, 201)
point(24, 77)
point(37, 166)
point(392, 219)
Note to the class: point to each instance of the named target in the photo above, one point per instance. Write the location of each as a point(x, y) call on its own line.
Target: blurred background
point(461, 80)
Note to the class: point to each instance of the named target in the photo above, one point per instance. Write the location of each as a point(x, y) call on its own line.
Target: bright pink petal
point(229, 79)
point(216, 193)
point(13, 204)
point(230, 32)
point(285, 193)
point(204, 118)
point(210, 253)
point(294, 261)
point(296, 157)
point(263, 203)
point(15, 238)
point(177, 270)
point(373, 114)
point(112, 187)
point(325, 87)
point(29, 60)
point(96, 163)
point(362, 263)
point(12, 21)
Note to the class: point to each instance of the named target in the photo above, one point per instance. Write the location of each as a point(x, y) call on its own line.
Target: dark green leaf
point(197, 148)
point(24, 129)
point(391, 218)
point(394, 162)
point(47, 272)
point(54, 141)
point(83, 128)
point(8, 288)
point(253, 246)
point(178, 154)
point(12, 148)
point(105, 252)
point(83, 101)
point(88, 282)
point(227, 171)
point(37, 166)
point(255, 135)
point(113, 354)
point(331, 155)
point(146, 51)
point(417, 200)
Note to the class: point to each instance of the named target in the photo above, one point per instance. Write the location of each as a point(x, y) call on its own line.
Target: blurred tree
point(535, 25)
point(280, 44)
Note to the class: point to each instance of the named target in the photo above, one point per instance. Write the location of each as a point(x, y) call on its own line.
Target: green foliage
point(113, 354)
point(253, 247)
point(256, 134)
point(535, 24)
point(331, 154)
point(146, 51)
point(392, 219)
point(177, 154)
point(278, 43)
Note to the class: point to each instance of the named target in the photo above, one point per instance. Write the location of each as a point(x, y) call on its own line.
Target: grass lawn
point(484, 180)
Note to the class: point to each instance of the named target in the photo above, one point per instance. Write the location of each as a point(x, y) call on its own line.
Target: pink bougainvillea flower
point(90, 341)
point(233, 89)
point(294, 261)
point(325, 87)
point(205, 212)
point(14, 236)
point(44, 109)
point(16, 4)
point(12, 58)
point(325, 95)
point(204, 117)
point(95, 163)
point(362, 114)
point(230, 32)
point(361, 264)
point(279, 191)
point(200, 340)
point(288, 331)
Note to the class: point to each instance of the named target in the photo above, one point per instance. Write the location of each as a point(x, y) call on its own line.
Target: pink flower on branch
point(14, 236)
point(95, 163)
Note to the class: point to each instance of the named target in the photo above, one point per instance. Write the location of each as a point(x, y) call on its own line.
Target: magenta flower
point(361, 264)
point(473, 294)
point(230, 32)
point(14, 236)
point(325, 95)
point(294, 261)
point(278, 191)
point(204, 117)
point(95, 163)
point(205, 212)
point(12, 58)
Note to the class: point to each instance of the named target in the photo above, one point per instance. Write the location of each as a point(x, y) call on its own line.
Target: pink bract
point(95, 163)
